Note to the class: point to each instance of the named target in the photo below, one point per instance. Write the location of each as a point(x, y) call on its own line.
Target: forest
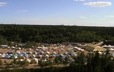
point(54, 34)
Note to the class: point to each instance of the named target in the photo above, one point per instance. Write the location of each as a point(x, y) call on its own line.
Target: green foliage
point(54, 34)
point(58, 60)
point(1, 62)
point(45, 63)
point(21, 63)
point(3, 40)
point(29, 44)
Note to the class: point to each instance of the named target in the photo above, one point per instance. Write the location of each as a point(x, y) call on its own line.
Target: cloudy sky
point(57, 12)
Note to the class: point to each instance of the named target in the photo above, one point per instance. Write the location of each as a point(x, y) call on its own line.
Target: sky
point(57, 12)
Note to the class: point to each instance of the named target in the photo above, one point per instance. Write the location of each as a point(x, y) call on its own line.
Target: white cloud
point(98, 4)
point(3, 3)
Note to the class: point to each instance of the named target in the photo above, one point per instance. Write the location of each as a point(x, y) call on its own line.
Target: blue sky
point(57, 12)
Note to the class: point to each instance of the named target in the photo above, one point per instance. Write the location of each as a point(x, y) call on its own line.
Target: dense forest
point(54, 33)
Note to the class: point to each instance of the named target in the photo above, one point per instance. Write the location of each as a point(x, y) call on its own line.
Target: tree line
point(54, 34)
